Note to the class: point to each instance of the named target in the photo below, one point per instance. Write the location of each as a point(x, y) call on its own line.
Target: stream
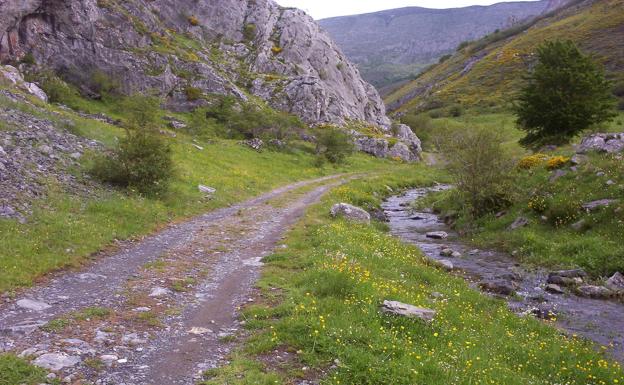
point(599, 320)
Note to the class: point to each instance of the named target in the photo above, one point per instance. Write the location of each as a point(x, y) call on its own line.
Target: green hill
point(487, 72)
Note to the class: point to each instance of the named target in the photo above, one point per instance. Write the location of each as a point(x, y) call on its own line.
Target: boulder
point(616, 283)
point(56, 361)
point(14, 77)
point(159, 292)
point(554, 289)
point(564, 281)
point(603, 142)
point(409, 311)
point(350, 212)
point(443, 264)
point(499, 287)
point(596, 292)
point(33, 305)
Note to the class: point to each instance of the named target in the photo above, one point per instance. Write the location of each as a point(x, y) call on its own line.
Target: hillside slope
point(214, 46)
point(396, 44)
point(489, 71)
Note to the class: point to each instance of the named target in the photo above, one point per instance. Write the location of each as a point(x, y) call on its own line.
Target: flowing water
point(599, 320)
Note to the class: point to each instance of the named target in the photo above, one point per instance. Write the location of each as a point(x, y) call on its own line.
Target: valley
point(211, 192)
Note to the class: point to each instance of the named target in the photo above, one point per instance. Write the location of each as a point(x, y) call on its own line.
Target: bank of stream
point(601, 321)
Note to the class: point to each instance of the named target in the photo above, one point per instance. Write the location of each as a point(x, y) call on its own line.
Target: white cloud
point(320, 9)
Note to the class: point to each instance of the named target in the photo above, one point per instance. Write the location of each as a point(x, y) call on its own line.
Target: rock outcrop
point(404, 145)
point(609, 143)
point(229, 47)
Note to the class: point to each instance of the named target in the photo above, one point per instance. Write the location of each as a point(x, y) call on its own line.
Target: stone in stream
point(574, 273)
point(33, 305)
point(564, 281)
point(616, 283)
point(596, 292)
point(350, 212)
point(56, 361)
point(554, 289)
point(499, 287)
point(437, 235)
point(409, 311)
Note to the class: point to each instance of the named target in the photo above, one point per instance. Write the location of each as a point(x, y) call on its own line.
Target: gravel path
point(159, 311)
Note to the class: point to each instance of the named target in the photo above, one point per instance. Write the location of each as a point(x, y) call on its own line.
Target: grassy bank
point(320, 300)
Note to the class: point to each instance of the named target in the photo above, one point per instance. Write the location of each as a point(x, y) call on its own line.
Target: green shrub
point(444, 58)
point(57, 90)
point(481, 169)
point(142, 162)
point(29, 59)
point(561, 211)
point(249, 32)
point(104, 85)
point(141, 112)
point(238, 120)
point(193, 93)
point(333, 145)
point(456, 111)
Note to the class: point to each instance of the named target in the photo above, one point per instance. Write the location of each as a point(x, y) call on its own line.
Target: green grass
point(321, 299)
point(65, 229)
point(552, 242)
point(14, 371)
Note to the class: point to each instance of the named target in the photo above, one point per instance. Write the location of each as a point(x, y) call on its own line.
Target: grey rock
point(572, 273)
point(159, 292)
point(554, 289)
point(437, 235)
point(206, 190)
point(501, 287)
point(255, 143)
point(444, 264)
point(13, 76)
point(578, 159)
point(564, 281)
point(56, 361)
point(33, 305)
point(596, 292)
point(350, 212)
point(595, 205)
point(315, 80)
point(602, 142)
point(616, 283)
point(518, 223)
point(578, 226)
point(556, 175)
point(177, 125)
point(409, 311)
point(446, 252)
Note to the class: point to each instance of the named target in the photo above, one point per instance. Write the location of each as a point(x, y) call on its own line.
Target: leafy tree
point(565, 94)
point(333, 145)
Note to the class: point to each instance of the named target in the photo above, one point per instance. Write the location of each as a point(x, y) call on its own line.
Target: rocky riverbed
point(527, 291)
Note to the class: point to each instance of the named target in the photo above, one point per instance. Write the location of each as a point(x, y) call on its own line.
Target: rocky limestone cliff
point(230, 47)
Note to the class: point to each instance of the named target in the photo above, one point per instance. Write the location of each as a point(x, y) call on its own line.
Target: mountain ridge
point(392, 45)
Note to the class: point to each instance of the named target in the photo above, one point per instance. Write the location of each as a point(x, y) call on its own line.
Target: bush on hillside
point(481, 169)
point(565, 94)
point(142, 162)
point(333, 145)
point(237, 120)
point(57, 90)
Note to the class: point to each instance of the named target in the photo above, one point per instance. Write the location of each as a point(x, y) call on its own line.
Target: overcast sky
point(320, 9)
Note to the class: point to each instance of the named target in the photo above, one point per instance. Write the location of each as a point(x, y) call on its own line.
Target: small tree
point(143, 160)
point(565, 94)
point(480, 167)
point(333, 144)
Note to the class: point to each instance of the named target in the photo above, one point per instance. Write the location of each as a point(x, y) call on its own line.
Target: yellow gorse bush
point(557, 162)
point(532, 161)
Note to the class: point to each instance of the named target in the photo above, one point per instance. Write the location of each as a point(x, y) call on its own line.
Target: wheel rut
point(162, 310)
